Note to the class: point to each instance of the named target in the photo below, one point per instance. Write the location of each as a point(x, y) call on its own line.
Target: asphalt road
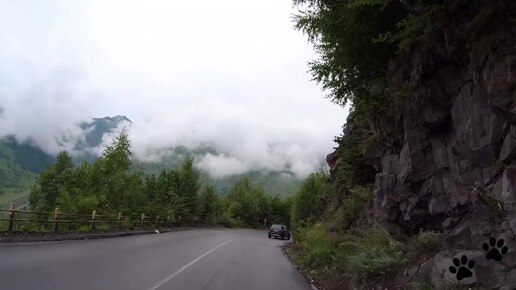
point(196, 259)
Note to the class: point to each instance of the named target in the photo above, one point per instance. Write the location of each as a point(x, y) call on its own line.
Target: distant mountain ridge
point(20, 162)
point(26, 156)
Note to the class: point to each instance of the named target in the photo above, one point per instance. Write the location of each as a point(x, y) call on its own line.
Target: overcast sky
point(231, 73)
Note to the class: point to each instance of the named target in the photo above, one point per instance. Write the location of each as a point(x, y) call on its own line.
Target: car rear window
point(278, 227)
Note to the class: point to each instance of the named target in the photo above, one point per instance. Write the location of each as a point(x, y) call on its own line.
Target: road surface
point(198, 259)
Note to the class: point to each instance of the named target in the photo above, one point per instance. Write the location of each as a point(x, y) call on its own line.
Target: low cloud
point(219, 166)
point(184, 80)
point(45, 112)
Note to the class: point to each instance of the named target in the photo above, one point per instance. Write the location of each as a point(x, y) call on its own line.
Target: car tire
point(269, 236)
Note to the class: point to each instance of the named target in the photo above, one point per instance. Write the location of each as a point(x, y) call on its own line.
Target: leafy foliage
point(248, 205)
point(319, 247)
point(20, 164)
point(367, 254)
point(371, 254)
point(111, 185)
point(210, 204)
point(349, 211)
point(343, 33)
point(306, 203)
point(425, 243)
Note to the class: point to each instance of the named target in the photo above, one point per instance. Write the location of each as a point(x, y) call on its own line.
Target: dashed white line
point(165, 280)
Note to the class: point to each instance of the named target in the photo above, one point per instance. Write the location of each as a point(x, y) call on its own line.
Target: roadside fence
point(16, 220)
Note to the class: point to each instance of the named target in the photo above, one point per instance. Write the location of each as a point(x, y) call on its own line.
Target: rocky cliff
point(454, 170)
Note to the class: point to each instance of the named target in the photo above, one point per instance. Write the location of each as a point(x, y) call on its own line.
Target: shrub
point(426, 242)
point(367, 254)
point(306, 205)
point(370, 253)
point(318, 245)
point(352, 206)
point(374, 263)
point(429, 241)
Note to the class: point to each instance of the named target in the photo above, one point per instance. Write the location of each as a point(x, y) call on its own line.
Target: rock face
point(456, 170)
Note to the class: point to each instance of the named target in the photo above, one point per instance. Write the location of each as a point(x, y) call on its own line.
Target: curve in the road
point(190, 260)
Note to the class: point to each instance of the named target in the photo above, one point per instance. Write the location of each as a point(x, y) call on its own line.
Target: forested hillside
point(283, 184)
point(110, 186)
point(20, 163)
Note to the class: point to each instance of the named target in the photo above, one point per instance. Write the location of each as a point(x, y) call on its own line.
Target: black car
point(279, 231)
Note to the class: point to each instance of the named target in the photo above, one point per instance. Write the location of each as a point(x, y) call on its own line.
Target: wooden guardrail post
point(93, 214)
point(56, 219)
point(119, 220)
point(11, 216)
point(156, 221)
point(141, 221)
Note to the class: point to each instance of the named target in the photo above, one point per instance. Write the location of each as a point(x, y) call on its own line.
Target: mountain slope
point(15, 174)
point(20, 163)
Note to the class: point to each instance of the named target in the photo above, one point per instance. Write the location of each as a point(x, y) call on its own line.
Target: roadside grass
point(366, 256)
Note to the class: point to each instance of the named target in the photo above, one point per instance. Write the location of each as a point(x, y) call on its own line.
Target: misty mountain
point(19, 158)
point(20, 162)
point(96, 129)
point(281, 183)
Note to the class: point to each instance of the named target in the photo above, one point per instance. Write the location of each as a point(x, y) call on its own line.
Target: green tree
point(120, 188)
point(210, 205)
point(246, 204)
point(51, 183)
point(188, 187)
point(279, 212)
point(162, 194)
point(111, 185)
point(63, 162)
point(352, 64)
point(44, 192)
point(306, 203)
point(117, 156)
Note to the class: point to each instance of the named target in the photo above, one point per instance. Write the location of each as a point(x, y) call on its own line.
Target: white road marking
point(160, 283)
